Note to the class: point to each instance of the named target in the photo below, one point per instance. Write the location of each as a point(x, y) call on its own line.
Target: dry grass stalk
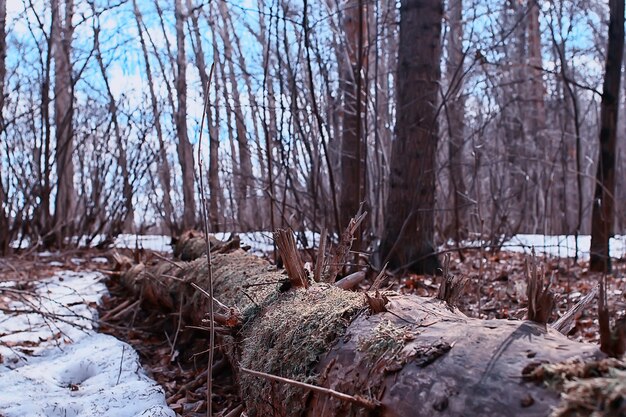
point(541, 299)
point(342, 251)
point(451, 287)
point(288, 250)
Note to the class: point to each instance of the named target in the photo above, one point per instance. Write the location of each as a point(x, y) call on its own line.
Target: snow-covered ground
point(53, 363)
point(563, 246)
point(259, 242)
point(262, 243)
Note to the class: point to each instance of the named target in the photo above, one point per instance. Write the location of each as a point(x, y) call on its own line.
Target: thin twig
point(180, 319)
point(208, 295)
point(209, 385)
point(364, 402)
point(163, 258)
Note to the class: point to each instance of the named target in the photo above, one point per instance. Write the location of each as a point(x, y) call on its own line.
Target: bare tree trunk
point(354, 96)
point(246, 202)
point(4, 220)
point(65, 203)
point(165, 176)
point(408, 240)
point(185, 151)
point(537, 119)
point(603, 202)
point(455, 111)
point(213, 128)
point(127, 189)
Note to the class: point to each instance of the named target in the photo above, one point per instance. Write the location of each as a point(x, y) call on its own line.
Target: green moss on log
point(287, 339)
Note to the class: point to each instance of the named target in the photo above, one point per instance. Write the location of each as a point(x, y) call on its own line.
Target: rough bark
point(185, 151)
point(408, 240)
point(4, 221)
point(353, 146)
point(455, 111)
point(65, 202)
point(604, 201)
point(418, 357)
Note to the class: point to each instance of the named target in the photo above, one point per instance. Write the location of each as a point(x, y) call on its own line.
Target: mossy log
point(420, 357)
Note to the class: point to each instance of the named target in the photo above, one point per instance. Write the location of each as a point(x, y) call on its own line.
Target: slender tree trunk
point(127, 189)
point(537, 120)
point(213, 128)
point(185, 151)
point(351, 84)
point(164, 173)
point(604, 200)
point(65, 203)
point(455, 110)
point(246, 201)
point(217, 196)
point(4, 221)
point(408, 240)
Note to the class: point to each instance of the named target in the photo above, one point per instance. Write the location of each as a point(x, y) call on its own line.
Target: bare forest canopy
point(471, 119)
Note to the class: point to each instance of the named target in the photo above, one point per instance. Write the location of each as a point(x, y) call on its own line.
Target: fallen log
point(415, 357)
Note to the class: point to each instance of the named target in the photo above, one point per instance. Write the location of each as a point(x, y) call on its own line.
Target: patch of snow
point(97, 376)
point(55, 263)
point(99, 260)
point(151, 242)
point(52, 363)
point(263, 242)
point(59, 309)
point(562, 245)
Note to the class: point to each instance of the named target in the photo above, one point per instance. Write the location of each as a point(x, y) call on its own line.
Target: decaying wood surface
point(417, 357)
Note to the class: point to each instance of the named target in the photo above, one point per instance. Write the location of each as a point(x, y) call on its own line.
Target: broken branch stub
point(286, 243)
point(340, 256)
point(451, 287)
point(541, 299)
point(612, 340)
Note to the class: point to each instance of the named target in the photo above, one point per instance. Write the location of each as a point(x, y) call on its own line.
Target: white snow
point(98, 376)
point(562, 245)
point(59, 309)
point(259, 242)
point(52, 363)
point(152, 242)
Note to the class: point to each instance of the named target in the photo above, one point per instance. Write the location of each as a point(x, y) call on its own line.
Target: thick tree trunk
point(65, 203)
point(418, 357)
point(408, 240)
point(185, 151)
point(604, 201)
point(352, 87)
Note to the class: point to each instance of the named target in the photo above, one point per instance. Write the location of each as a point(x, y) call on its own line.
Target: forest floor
point(176, 358)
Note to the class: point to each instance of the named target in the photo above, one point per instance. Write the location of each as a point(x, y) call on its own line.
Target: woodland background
point(101, 104)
